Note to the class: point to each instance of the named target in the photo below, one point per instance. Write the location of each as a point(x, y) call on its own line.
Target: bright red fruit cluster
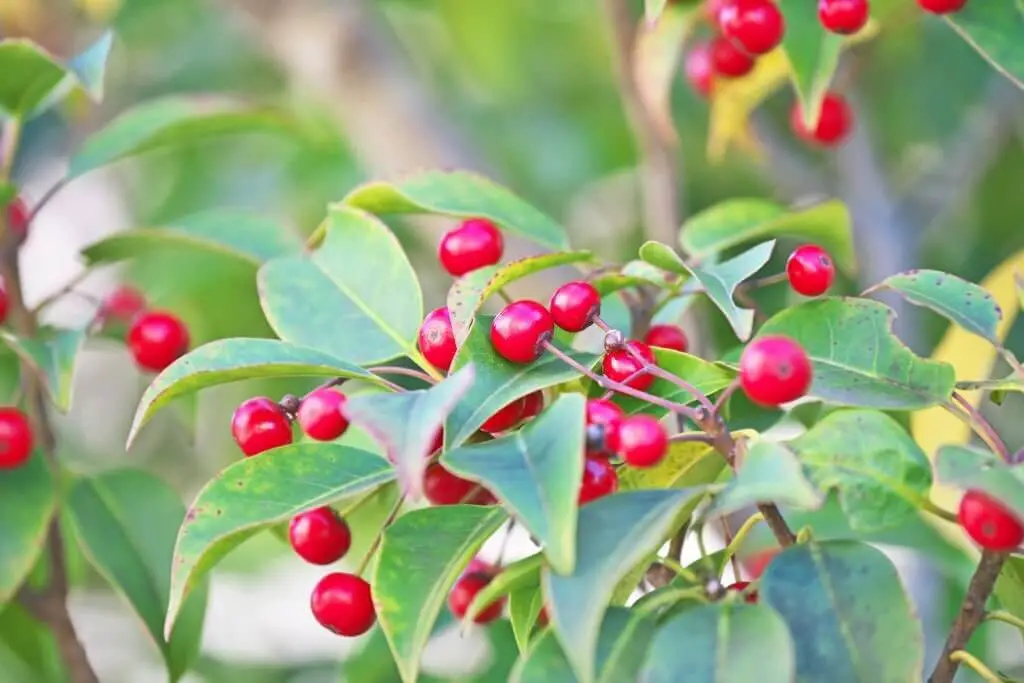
point(155, 338)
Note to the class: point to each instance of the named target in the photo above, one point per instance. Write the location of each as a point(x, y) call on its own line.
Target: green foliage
point(975, 469)
point(995, 30)
point(768, 471)
point(34, 81)
point(28, 500)
point(52, 354)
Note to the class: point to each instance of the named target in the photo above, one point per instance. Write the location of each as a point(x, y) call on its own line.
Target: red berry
point(774, 370)
point(843, 16)
point(157, 339)
point(533, 403)
point(436, 340)
point(756, 563)
point(259, 424)
point(3, 302)
point(599, 479)
point(642, 441)
point(756, 25)
point(700, 73)
point(574, 306)
point(520, 331)
point(441, 487)
point(728, 60)
point(16, 439)
point(343, 604)
point(667, 337)
point(476, 243)
point(609, 416)
point(504, 419)
point(990, 523)
point(319, 536)
point(480, 566)
point(810, 270)
point(834, 122)
point(438, 443)
point(739, 586)
point(17, 218)
point(463, 593)
point(124, 303)
point(321, 415)
point(620, 364)
point(941, 6)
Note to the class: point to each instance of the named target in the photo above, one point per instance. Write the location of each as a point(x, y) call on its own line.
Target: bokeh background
point(524, 91)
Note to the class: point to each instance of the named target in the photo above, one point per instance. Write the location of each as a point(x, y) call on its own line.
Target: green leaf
point(233, 360)
point(996, 31)
point(406, 423)
point(421, 555)
point(522, 574)
point(856, 358)
point(768, 472)
point(126, 522)
point(524, 606)
point(28, 651)
point(687, 463)
point(847, 612)
point(334, 299)
point(725, 642)
point(167, 122)
point(90, 66)
point(813, 55)
point(256, 493)
point(28, 501)
point(882, 475)
point(469, 292)
point(31, 75)
point(961, 302)
point(1011, 383)
point(535, 472)
point(460, 194)
point(734, 222)
point(615, 534)
point(52, 356)
point(240, 235)
point(499, 382)
point(967, 468)
point(708, 378)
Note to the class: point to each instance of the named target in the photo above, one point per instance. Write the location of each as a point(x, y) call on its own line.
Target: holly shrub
point(583, 418)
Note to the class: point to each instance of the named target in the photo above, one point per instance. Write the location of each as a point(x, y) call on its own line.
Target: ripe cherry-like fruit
point(436, 340)
point(533, 403)
point(156, 339)
point(642, 441)
point(667, 337)
point(608, 415)
point(506, 418)
point(834, 123)
point(16, 439)
point(699, 71)
point(941, 6)
point(810, 270)
point(259, 424)
point(441, 487)
point(990, 523)
point(774, 370)
point(599, 479)
point(475, 243)
point(17, 216)
point(843, 16)
point(123, 304)
point(463, 593)
point(713, 10)
point(756, 25)
point(740, 586)
point(343, 603)
point(319, 536)
point(728, 60)
point(3, 302)
point(321, 414)
point(520, 330)
point(574, 306)
point(619, 364)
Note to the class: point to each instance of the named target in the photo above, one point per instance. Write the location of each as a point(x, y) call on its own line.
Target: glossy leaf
point(847, 612)
point(708, 378)
point(31, 76)
point(469, 292)
point(737, 221)
point(406, 423)
point(882, 475)
point(997, 388)
point(524, 606)
point(333, 299)
point(522, 574)
point(52, 355)
point(459, 194)
point(167, 122)
point(89, 67)
point(499, 382)
point(28, 650)
point(967, 468)
point(961, 302)
point(687, 463)
point(255, 493)
point(421, 555)
point(996, 31)
point(856, 358)
point(535, 472)
point(232, 360)
point(725, 642)
point(126, 522)
point(767, 472)
point(813, 55)
point(28, 501)
point(615, 534)
point(657, 52)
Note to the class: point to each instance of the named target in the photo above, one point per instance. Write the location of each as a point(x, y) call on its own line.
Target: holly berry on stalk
point(943, 6)
point(834, 122)
point(810, 270)
point(774, 370)
point(156, 339)
point(608, 416)
point(755, 25)
point(844, 17)
point(599, 479)
point(465, 591)
point(260, 424)
point(642, 441)
point(621, 364)
point(667, 337)
point(319, 536)
point(17, 217)
point(442, 487)
point(728, 60)
point(574, 306)
point(520, 331)
point(123, 304)
point(992, 525)
point(321, 414)
point(343, 604)
point(474, 244)
point(506, 418)
point(16, 438)
point(436, 339)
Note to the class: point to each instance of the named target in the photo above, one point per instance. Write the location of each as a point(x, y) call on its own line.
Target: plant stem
point(691, 437)
point(972, 612)
point(45, 199)
point(679, 569)
point(371, 551)
point(742, 533)
point(657, 371)
point(934, 509)
point(1006, 618)
point(981, 426)
point(987, 674)
point(726, 394)
point(66, 289)
point(407, 372)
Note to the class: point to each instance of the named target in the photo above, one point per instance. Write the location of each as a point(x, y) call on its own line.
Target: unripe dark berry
point(520, 331)
point(506, 418)
point(17, 217)
point(990, 523)
point(156, 339)
point(833, 126)
point(123, 304)
point(740, 586)
point(343, 604)
point(599, 479)
point(463, 593)
point(436, 340)
point(755, 25)
point(642, 441)
point(942, 6)
point(609, 416)
point(474, 244)
point(319, 536)
point(620, 364)
point(16, 439)
point(844, 17)
point(667, 337)
point(774, 370)
point(322, 414)
point(810, 270)
point(729, 61)
point(699, 71)
point(574, 306)
point(441, 487)
point(259, 424)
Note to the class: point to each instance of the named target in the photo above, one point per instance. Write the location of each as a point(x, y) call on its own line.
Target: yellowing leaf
point(659, 46)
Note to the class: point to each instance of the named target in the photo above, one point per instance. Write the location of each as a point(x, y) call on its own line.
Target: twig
point(1006, 618)
point(691, 437)
point(987, 674)
point(45, 199)
point(726, 394)
point(68, 288)
point(363, 563)
point(982, 427)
